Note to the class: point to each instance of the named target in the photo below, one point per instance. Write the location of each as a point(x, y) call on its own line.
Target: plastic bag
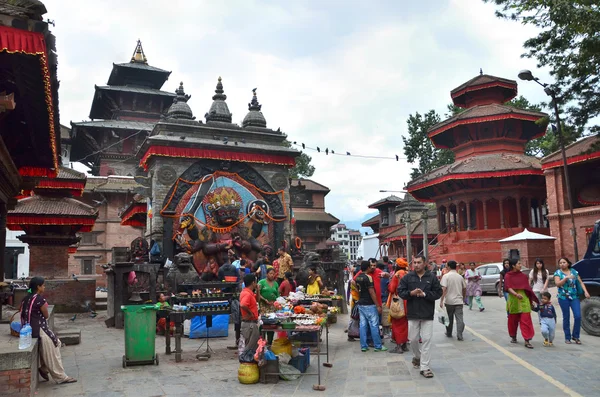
point(354, 329)
point(247, 356)
point(282, 346)
point(288, 372)
point(270, 356)
point(241, 345)
point(187, 325)
point(284, 358)
point(443, 317)
point(397, 308)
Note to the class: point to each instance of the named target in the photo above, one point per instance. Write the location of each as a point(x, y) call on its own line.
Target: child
point(547, 318)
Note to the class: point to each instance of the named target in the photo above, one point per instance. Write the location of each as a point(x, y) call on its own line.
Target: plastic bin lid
point(138, 308)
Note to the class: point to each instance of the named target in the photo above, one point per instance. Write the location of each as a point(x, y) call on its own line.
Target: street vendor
point(161, 324)
point(286, 264)
point(268, 292)
point(315, 284)
point(249, 312)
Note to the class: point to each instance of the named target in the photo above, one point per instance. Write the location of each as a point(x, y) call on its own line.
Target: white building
point(369, 246)
point(349, 240)
point(16, 256)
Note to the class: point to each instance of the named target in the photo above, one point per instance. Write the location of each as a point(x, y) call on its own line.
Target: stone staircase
point(101, 300)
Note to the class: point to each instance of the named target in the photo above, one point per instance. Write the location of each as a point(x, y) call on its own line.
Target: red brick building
point(312, 222)
point(583, 160)
point(492, 190)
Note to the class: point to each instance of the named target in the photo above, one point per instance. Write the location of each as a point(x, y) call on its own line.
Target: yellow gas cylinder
point(248, 373)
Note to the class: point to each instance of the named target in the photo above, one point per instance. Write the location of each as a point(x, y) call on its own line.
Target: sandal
point(427, 373)
point(568, 342)
point(69, 380)
point(513, 339)
point(528, 345)
point(44, 375)
point(577, 341)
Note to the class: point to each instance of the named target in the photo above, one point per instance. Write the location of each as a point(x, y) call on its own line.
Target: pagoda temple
point(123, 113)
point(492, 190)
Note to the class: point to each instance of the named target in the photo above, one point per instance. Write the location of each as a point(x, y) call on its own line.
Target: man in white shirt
point(454, 288)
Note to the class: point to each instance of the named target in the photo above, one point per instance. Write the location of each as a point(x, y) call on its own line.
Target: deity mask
point(224, 207)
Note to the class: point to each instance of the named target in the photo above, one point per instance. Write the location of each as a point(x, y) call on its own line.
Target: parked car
point(589, 271)
point(490, 276)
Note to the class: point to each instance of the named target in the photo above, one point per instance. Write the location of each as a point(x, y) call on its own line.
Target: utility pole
point(425, 217)
point(408, 244)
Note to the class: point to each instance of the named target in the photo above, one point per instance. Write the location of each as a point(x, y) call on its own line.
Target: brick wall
point(48, 261)
point(70, 296)
point(16, 376)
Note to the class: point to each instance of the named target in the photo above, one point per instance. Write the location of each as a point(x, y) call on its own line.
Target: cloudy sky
point(338, 74)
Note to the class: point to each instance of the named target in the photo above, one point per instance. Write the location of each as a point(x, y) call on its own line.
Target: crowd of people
point(395, 300)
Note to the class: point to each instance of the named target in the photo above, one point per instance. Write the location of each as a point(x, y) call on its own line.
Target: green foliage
point(303, 167)
point(418, 147)
point(569, 45)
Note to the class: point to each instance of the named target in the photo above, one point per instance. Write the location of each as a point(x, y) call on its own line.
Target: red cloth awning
point(217, 154)
point(572, 160)
point(131, 216)
point(17, 41)
point(76, 188)
point(17, 221)
point(474, 175)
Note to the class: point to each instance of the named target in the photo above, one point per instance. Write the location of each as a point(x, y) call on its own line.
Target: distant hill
point(356, 224)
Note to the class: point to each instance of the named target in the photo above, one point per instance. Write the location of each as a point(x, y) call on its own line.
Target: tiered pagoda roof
point(488, 140)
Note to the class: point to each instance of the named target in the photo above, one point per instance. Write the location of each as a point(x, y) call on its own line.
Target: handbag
point(397, 308)
point(355, 314)
point(580, 291)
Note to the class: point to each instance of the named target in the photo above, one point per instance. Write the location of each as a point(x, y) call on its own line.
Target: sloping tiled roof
point(113, 183)
point(69, 173)
point(480, 164)
point(138, 90)
point(119, 124)
point(22, 8)
point(476, 112)
point(53, 206)
point(371, 221)
point(583, 146)
point(315, 216)
point(141, 66)
point(416, 232)
point(481, 80)
point(310, 185)
point(388, 199)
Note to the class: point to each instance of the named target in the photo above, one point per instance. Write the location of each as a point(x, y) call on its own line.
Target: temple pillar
point(501, 202)
point(448, 219)
point(458, 218)
point(484, 214)
point(540, 214)
point(469, 216)
point(519, 220)
point(529, 219)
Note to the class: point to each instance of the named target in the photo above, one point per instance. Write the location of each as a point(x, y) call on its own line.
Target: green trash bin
point(140, 335)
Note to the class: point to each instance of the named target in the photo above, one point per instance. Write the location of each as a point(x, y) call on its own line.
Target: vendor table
point(317, 344)
point(208, 304)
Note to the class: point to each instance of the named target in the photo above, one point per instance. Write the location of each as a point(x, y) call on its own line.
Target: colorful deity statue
point(216, 223)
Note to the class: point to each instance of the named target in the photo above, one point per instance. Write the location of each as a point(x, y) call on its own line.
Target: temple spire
point(138, 54)
point(254, 118)
point(180, 109)
point(219, 111)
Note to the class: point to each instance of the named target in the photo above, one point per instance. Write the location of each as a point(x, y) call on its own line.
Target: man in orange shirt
point(249, 311)
point(286, 264)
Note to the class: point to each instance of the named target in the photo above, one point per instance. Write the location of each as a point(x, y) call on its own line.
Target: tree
point(418, 146)
point(569, 45)
point(303, 167)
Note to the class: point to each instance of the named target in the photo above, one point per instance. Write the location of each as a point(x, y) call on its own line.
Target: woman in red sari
point(399, 325)
point(519, 304)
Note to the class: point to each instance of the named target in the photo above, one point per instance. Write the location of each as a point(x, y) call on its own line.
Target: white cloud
point(344, 84)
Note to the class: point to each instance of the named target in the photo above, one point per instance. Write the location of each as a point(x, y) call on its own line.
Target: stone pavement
point(476, 367)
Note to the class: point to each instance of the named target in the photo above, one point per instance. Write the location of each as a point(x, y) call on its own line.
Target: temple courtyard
point(485, 364)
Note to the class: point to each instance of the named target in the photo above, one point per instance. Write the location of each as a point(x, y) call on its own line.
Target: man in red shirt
point(249, 311)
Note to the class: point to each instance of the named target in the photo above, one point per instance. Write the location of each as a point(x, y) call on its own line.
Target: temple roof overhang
point(505, 87)
point(203, 148)
point(315, 216)
point(481, 171)
point(534, 124)
point(99, 111)
point(51, 211)
point(31, 131)
point(585, 149)
point(371, 221)
point(135, 214)
point(68, 180)
point(126, 73)
point(389, 200)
